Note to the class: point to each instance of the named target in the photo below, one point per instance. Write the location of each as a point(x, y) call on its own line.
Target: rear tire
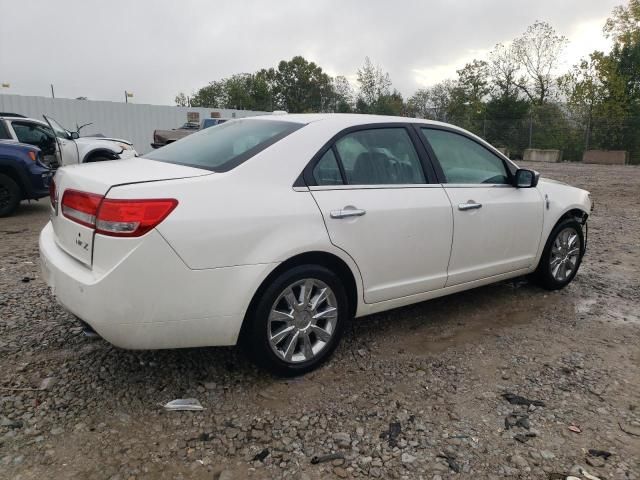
point(562, 255)
point(297, 321)
point(10, 195)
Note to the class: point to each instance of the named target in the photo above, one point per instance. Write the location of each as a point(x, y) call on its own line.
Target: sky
point(157, 48)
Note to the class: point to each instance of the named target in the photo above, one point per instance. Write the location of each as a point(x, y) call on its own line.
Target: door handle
point(347, 212)
point(470, 205)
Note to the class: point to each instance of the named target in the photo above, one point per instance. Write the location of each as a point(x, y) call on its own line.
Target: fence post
point(530, 128)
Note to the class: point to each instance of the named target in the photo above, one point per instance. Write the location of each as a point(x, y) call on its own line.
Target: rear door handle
point(470, 205)
point(347, 212)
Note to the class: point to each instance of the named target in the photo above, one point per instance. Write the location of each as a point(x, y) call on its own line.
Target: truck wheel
point(10, 195)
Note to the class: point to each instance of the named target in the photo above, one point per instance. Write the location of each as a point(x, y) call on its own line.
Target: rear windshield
point(224, 146)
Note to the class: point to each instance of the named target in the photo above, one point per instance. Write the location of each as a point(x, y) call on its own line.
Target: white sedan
point(275, 231)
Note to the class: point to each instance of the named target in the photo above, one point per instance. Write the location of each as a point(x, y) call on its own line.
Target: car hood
point(550, 180)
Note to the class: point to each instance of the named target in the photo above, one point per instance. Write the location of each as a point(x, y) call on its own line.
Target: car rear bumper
point(151, 299)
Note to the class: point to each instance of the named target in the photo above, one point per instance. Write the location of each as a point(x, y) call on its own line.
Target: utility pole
point(126, 97)
point(53, 94)
point(530, 128)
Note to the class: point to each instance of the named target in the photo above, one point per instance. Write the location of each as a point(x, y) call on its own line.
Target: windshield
point(228, 145)
point(60, 131)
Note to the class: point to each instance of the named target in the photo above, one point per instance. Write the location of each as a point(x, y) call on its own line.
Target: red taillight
point(115, 217)
point(81, 207)
point(132, 218)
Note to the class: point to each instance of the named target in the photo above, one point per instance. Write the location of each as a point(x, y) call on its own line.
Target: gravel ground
point(412, 393)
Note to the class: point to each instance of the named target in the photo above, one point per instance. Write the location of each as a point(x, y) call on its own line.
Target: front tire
point(10, 195)
point(297, 321)
point(562, 255)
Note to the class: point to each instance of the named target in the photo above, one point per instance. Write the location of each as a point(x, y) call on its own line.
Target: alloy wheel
point(565, 253)
point(302, 320)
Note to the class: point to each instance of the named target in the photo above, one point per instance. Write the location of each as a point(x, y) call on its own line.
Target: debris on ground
point(630, 429)
point(599, 453)
point(524, 437)
point(392, 434)
point(514, 399)
point(184, 404)
point(575, 429)
point(326, 458)
point(451, 461)
point(514, 420)
point(260, 456)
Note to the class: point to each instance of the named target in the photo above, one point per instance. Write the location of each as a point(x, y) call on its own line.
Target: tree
point(343, 95)
point(624, 24)
point(503, 69)
point(419, 104)
point(213, 96)
point(182, 100)
point(622, 73)
point(473, 82)
point(374, 85)
point(538, 51)
point(301, 86)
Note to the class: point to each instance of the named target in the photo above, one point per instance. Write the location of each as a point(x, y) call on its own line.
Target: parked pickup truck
point(23, 175)
point(165, 137)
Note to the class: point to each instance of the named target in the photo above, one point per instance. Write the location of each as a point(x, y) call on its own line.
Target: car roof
point(11, 118)
point(346, 119)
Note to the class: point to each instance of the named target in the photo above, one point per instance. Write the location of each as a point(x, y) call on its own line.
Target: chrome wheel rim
point(565, 252)
point(302, 320)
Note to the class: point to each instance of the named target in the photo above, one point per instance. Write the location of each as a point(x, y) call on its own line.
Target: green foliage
point(301, 86)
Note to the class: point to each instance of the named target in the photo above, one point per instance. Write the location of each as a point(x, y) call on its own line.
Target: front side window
point(36, 135)
point(59, 130)
point(224, 147)
point(465, 161)
point(380, 156)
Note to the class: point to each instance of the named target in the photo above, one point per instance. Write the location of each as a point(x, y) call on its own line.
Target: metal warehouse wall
point(128, 121)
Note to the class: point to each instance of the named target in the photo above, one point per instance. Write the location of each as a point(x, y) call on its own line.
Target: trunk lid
point(98, 178)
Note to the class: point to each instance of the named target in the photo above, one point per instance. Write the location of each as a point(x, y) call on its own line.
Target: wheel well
point(327, 260)
point(13, 175)
point(579, 215)
point(100, 153)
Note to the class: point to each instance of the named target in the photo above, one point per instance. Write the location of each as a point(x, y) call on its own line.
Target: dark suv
point(23, 175)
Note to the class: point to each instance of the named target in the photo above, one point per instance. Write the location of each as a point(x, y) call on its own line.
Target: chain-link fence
point(557, 130)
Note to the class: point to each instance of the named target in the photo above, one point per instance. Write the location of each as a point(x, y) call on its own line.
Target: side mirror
point(526, 178)
point(74, 135)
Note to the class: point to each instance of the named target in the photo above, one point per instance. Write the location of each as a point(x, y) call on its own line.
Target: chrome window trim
point(477, 185)
point(315, 188)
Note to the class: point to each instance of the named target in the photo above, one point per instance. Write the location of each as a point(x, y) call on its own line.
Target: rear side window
point(326, 171)
point(228, 145)
point(380, 156)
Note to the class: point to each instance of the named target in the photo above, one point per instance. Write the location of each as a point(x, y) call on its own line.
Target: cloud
point(157, 48)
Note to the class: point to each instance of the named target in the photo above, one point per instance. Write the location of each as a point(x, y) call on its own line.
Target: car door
point(38, 135)
point(379, 207)
point(497, 227)
point(67, 146)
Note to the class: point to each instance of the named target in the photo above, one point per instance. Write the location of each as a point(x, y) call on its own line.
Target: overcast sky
point(157, 48)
